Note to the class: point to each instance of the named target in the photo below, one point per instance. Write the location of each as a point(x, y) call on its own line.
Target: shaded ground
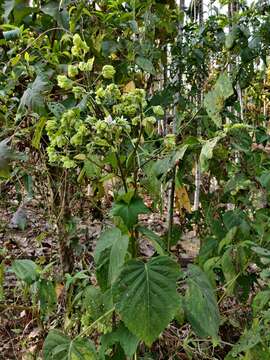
point(21, 334)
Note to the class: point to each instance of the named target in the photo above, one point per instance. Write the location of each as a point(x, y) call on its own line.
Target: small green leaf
point(229, 271)
point(92, 168)
point(248, 340)
point(207, 152)
point(261, 251)
point(26, 270)
point(200, 304)
point(146, 65)
point(145, 296)
point(124, 337)
point(156, 241)
point(215, 99)
point(12, 34)
point(260, 301)
point(129, 212)
point(264, 179)
point(47, 296)
point(110, 256)
point(38, 132)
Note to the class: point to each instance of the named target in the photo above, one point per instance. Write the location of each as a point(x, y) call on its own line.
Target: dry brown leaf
point(130, 86)
point(182, 201)
point(59, 289)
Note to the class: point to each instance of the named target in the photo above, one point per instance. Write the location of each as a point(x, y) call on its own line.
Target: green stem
point(94, 323)
point(134, 237)
point(121, 172)
point(171, 210)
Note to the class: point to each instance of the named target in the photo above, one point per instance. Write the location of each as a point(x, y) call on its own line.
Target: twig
point(94, 323)
point(121, 172)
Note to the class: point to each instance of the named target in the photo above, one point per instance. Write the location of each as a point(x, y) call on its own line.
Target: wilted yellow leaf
point(130, 86)
point(58, 289)
point(182, 201)
point(80, 157)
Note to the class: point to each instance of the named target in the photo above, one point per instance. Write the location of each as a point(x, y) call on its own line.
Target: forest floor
point(21, 334)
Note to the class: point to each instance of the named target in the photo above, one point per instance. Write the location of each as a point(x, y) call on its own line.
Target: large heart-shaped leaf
point(110, 255)
point(58, 346)
point(200, 304)
point(145, 296)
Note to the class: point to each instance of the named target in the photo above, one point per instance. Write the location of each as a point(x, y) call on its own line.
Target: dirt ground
point(21, 334)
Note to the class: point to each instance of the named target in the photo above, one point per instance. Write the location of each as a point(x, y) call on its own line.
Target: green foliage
point(207, 152)
point(6, 156)
point(147, 290)
point(155, 240)
point(58, 346)
point(26, 270)
point(146, 65)
point(33, 97)
point(121, 335)
point(46, 296)
point(109, 94)
point(201, 305)
point(129, 209)
point(215, 99)
point(109, 256)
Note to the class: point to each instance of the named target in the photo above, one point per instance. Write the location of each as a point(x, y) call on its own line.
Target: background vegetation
point(131, 133)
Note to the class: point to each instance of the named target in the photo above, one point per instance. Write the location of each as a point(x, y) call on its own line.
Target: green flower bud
point(158, 110)
point(78, 91)
point(108, 71)
point(75, 51)
point(100, 126)
point(89, 64)
point(79, 43)
point(76, 139)
point(52, 155)
point(64, 82)
point(79, 46)
point(51, 125)
point(91, 120)
point(67, 162)
point(100, 92)
point(60, 141)
point(170, 141)
point(136, 120)
point(77, 40)
point(68, 118)
point(82, 130)
point(72, 71)
point(149, 120)
point(82, 66)
point(130, 110)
